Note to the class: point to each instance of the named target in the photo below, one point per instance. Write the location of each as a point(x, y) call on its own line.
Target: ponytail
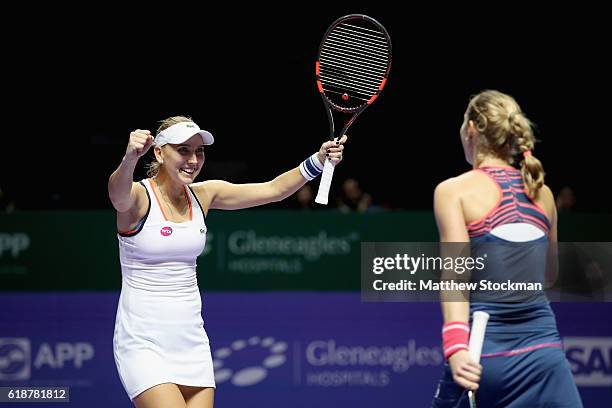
point(531, 168)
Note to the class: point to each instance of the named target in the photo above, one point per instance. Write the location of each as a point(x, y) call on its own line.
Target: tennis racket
point(479, 326)
point(352, 67)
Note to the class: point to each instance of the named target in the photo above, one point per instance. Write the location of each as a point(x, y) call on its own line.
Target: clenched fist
point(139, 144)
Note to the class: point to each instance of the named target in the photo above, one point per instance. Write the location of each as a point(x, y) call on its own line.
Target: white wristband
point(311, 167)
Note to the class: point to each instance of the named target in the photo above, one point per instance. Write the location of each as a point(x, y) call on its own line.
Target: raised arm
point(122, 190)
point(227, 196)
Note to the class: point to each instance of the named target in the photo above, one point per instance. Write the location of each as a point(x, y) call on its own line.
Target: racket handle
point(472, 398)
point(326, 178)
point(479, 325)
point(477, 333)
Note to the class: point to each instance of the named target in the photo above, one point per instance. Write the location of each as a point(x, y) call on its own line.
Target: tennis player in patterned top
point(509, 214)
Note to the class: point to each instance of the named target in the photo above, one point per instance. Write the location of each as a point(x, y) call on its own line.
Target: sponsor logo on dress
point(166, 231)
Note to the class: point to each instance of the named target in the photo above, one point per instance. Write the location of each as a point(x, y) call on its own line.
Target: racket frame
point(328, 169)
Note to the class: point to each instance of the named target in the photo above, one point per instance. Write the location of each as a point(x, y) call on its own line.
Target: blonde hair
point(154, 166)
point(506, 132)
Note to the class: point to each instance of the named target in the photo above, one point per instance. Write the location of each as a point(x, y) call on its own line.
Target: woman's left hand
point(332, 150)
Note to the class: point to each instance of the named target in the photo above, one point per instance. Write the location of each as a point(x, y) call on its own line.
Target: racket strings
point(345, 70)
point(342, 93)
point(376, 46)
point(374, 49)
point(346, 52)
point(365, 67)
point(342, 77)
point(352, 84)
point(375, 34)
point(354, 61)
point(374, 52)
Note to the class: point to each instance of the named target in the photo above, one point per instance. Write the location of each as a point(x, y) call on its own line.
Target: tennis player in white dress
point(161, 349)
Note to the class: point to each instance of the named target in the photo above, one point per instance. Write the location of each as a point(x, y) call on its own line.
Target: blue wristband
point(311, 167)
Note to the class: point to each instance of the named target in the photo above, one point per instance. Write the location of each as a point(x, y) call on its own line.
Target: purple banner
point(275, 349)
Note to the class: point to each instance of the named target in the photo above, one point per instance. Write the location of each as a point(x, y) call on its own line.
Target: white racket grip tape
point(326, 179)
point(477, 333)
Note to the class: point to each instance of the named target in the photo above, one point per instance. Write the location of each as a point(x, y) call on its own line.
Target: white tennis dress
point(159, 333)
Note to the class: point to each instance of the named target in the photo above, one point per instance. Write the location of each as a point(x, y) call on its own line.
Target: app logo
point(15, 357)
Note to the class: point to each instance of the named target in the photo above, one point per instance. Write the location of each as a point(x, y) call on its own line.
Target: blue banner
point(275, 349)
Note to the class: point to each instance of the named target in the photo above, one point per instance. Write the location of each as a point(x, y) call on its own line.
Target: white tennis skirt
point(160, 338)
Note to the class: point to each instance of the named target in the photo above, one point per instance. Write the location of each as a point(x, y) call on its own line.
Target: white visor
point(181, 132)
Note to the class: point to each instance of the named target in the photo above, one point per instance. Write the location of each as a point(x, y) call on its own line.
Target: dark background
point(77, 81)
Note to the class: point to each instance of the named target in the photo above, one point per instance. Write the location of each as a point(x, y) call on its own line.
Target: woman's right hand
point(465, 371)
point(139, 144)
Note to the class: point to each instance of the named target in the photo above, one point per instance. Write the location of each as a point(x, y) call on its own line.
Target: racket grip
point(479, 326)
point(326, 178)
point(472, 398)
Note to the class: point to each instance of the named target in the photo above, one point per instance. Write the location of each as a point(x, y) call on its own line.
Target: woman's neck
point(486, 161)
point(169, 188)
